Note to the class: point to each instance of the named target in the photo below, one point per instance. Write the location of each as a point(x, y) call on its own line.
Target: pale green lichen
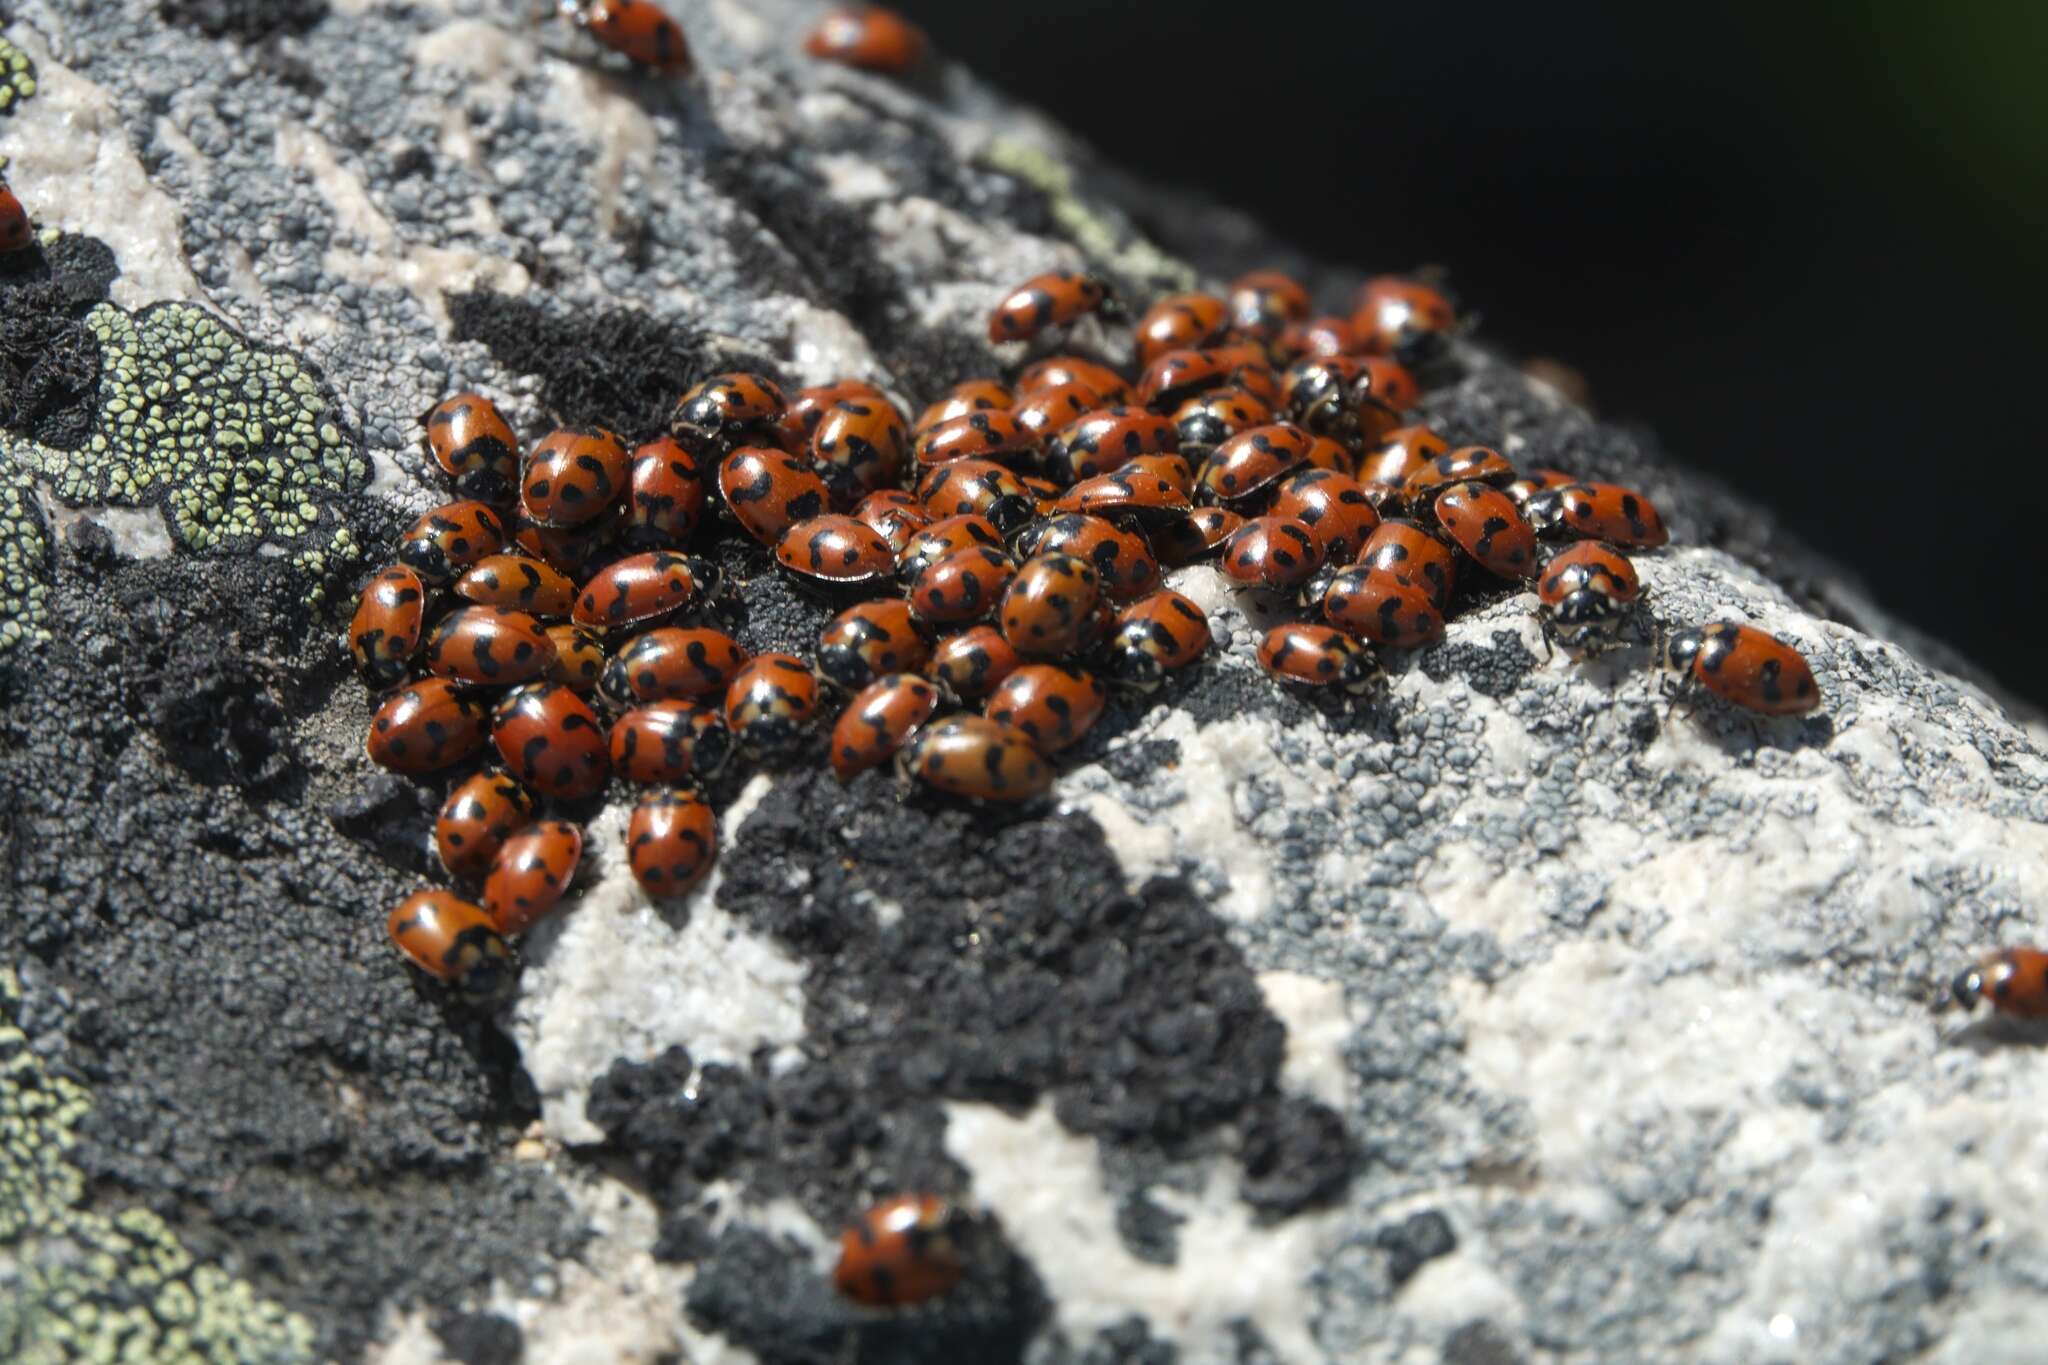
point(1121, 247)
point(24, 563)
point(17, 76)
point(79, 1285)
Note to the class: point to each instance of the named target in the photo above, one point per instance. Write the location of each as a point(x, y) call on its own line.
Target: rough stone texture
point(1513, 1017)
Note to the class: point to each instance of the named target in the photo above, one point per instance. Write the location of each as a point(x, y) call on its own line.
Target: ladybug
point(482, 812)
point(978, 487)
point(869, 37)
point(1400, 453)
point(768, 491)
point(1198, 535)
point(1175, 377)
point(973, 395)
point(1743, 665)
point(1318, 656)
point(1047, 606)
point(1153, 636)
point(973, 662)
point(1489, 527)
point(869, 640)
point(771, 701)
point(671, 841)
point(800, 418)
point(835, 554)
point(895, 515)
point(1209, 419)
point(665, 495)
point(1048, 410)
point(964, 586)
point(385, 630)
point(1384, 607)
point(879, 720)
point(1123, 559)
point(1179, 322)
point(1056, 371)
point(579, 657)
point(1172, 468)
point(1333, 506)
point(1394, 313)
point(941, 538)
point(449, 539)
point(530, 875)
point(990, 435)
point(1407, 550)
point(1104, 440)
point(672, 662)
point(429, 725)
point(637, 29)
point(1054, 704)
point(1337, 396)
point(489, 645)
point(454, 941)
point(1335, 456)
point(551, 740)
point(1536, 481)
point(1598, 511)
point(473, 445)
point(1271, 552)
point(574, 551)
point(1140, 497)
point(898, 1253)
point(1468, 464)
point(15, 233)
point(1325, 336)
point(860, 446)
point(668, 741)
point(1253, 460)
point(975, 757)
point(573, 475)
point(520, 582)
point(726, 410)
point(1586, 593)
point(643, 588)
point(2013, 981)
point(1262, 303)
point(1056, 297)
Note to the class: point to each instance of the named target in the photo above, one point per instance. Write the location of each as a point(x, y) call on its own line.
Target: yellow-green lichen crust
point(80, 1285)
point(24, 563)
point(17, 76)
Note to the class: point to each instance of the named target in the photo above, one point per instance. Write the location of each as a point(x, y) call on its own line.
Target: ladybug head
point(1544, 510)
point(1133, 668)
point(1679, 650)
point(1968, 987)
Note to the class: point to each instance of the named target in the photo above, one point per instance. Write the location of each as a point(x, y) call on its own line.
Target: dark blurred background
point(1802, 242)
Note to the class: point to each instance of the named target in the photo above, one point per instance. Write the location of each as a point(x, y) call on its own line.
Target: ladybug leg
point(1544, 634)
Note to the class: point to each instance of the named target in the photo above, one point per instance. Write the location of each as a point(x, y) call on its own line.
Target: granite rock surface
point(1516, 1017)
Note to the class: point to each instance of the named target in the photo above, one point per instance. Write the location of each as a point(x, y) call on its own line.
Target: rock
point(1514, 1016)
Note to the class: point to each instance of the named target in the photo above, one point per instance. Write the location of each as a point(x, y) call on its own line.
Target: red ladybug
point(579, 657)
point(15, 233)
point(642, 588)
point(1209, 419)
point(972, 663)
point(861, 445)
point(1534, 481)
point(1262, 303)
point(482, 812)
point(669, 741)
point(2013, 981)
point(1405, 549)
point(835, 554)
point(1054, 704)
point(1133, 496)
point(978, 758)
point(964, 586)
point(869, 37)
point(898, 1253)
point(473, 445)
point(519, 582)
point(973, 395)
point(489, 645)
point(989, 435)
point(1334, 508)
point(1599, 511)
point(980, 488)
point(1489, 527)
point(1395, 313)
point(768, 491)
point(1056, 371)
point(869, 640)
point(728, 410)
point(1349, 398)
point(427, 726)
point(1252, 461)
point(1586, 593)
point(531, 874)
point(1048, 300)
point(665, 495)
point(1400, 453)
point(1318, 656)
point(638, 30)
point(895, 515)
point(672, 662)
point(1044, 411)
point(800, 418)
point(944, 537)
point(1324, 336)
point(771, 702)
point(1469, 464)
point(1173, 378)
point(385, 629)
point(1126, 563)
point(1154, 636)
point(573, 476)
point(449, 539)
point(551, 741)
point(1048, 605)
point(575, 551)
point(454, 941)
point(671, 841)
point(1743, 665)
point(1383, 607)
point(1198, 535)
point(879, 721)
point(1271, 552)
point(1179, 322)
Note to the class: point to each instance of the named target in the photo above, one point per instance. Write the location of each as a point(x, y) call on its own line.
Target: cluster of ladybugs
point(866, 36)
